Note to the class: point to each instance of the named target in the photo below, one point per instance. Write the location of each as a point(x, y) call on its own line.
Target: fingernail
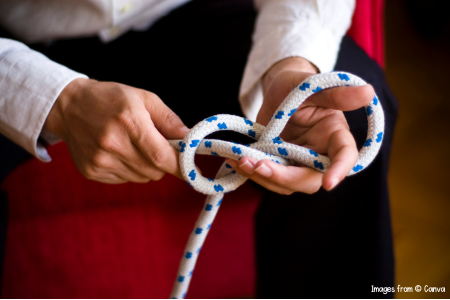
point(333, 183)
point(247, 167)
point(264, 170)
point(185, 129)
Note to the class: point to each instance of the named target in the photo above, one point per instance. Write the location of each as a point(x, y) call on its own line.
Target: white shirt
point(30, 83)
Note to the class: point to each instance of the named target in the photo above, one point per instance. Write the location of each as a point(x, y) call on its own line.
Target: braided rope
point(268, 146)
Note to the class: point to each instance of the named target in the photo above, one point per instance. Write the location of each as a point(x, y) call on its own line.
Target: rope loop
point(268, 143)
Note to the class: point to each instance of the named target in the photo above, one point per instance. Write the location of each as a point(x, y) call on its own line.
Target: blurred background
point(417, 64)
point(417, 36)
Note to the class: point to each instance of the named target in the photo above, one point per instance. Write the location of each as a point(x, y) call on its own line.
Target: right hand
point(116, 133)
point(318, 124)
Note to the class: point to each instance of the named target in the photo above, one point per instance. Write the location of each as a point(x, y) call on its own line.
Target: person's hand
point(318, 124)
point(116, 133)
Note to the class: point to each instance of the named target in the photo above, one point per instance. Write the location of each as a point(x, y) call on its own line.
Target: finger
point(260, 180)
point(265, 113)
point(128, 174)
point(165, 120)
point(343, 154)
point(134, 160)
point(308, 119)
point(145, 170)
point(153, 146)
point(108, 178)
point(319, 134)
point(279, 178)
point(109, 168)
point(342, 98)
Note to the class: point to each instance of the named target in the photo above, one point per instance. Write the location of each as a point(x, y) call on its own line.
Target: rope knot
point(268, 143)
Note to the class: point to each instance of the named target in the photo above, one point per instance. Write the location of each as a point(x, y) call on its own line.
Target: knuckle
point(156, 176)
point(312, 188)
point(130, 122)
point(117, 94)
point(148, 97)
point(120, 91)
point(151, 95)
point(146, 180)
point(281, 179)
point(99, 161)
point(287, 192)
point(159, 158)
point(108, 144)
point(340, 122)
point(171, 117)
point(127, 120)
point(89, 172)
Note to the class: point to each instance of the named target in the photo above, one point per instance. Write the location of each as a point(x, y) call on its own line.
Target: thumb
point(165, 120)
point(264, 114)
point(342, 98)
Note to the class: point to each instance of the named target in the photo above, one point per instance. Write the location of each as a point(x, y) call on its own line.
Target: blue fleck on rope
point(268, 145)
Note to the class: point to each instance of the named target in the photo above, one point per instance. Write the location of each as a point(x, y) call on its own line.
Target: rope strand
point(268, 145)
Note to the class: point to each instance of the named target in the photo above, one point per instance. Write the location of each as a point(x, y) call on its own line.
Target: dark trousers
point(330, 244)
point(339, 243)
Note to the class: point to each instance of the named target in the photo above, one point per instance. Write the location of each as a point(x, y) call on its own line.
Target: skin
point(117, 133)
point(318, 124)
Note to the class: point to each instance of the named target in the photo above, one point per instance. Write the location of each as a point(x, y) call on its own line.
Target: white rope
point(268, 146)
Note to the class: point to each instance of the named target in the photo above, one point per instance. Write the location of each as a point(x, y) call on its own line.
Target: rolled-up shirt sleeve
point(312, 29)
point(29, 85)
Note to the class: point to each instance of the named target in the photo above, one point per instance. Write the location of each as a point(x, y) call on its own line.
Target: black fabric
point(334, 244)
point(193, 59)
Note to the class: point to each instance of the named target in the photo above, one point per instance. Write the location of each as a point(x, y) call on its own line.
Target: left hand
point(116, 133)
point(318, 124)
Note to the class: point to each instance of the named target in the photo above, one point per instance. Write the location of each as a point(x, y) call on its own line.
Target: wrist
point(55, 122)
point(288, 64)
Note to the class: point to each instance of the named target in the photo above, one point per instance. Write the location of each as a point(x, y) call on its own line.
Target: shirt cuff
point(30, 83)
point(288, 28)
point(39, 150)
point(321, 50)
